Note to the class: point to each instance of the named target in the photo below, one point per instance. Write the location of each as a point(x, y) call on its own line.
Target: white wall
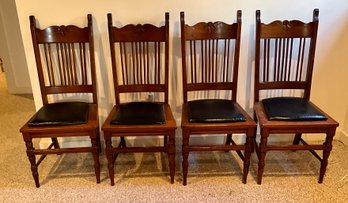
point(330, 81)
point(12, 51)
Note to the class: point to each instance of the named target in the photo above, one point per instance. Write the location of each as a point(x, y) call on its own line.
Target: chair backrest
point(210, 56)
point(139, 56)
point(284, 55)
point(65, 59)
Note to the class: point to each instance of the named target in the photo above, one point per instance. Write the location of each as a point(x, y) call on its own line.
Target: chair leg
point(297, 139)
point(55, 142)
point(262, 154)
point(228, 139)
point(95, 152)
point(165, 141)
point(249, 148)
point(98, 141)
point(326, 153)
point(123, 142)
point(171, 153)
point(110, 157)
point(185, 153)
point(32, 159)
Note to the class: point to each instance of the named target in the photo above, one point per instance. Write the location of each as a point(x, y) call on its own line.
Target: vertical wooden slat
point(264, 59)
point(302, 58)
point(210, 59)
point(216, 59)
point(191, 59)
point(290, 58)
point(282, 71)
point(279, 59)
point(275, 60)
point(228, 59)
point(285, 66)
point(298, 59)
point(195, 61)
point(148, 62)
point(224, 61)
point(268, 59)
point(61, 73)
point(73, 61)
point(132, 58)
point(122, 60)
point(159, 63)
point(48, 64)
point(143, 67)
point(202, 60)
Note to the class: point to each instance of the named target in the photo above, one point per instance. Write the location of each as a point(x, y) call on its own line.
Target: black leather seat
point(139, 113)
point(65, 113)
point(292, 109)
point(213, 111)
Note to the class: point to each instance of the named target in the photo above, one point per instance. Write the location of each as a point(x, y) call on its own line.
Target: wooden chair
point(284, 57)
point(210, 57)
point(139, 56)
point(66, 69)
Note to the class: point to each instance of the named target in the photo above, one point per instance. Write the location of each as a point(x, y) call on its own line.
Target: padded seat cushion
point(65, 113)
point(213, 111)
point(139, 113)
point(292, 109)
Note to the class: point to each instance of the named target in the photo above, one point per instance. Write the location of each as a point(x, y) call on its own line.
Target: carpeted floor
point(213, 177)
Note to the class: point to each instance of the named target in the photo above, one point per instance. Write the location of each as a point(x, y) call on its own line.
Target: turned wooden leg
point(165, 141)
point(122, 142)
point(171, 153)
point(297, 139)
point(249, 148)
point(109, 156)
point(98, 141)
point(95, 152)
point(326, 153)
point(185, 153)
point(228, 139)
point(262, 154)
point(32, 160)
point(55, 142)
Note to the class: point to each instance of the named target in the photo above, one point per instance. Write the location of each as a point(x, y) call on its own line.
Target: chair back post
point(166, 60)
point(113, 60)
point(91, 50)
point(236, 56)
point(38, 59)
point(315, 25)
point(183, 54)
point(257, 57)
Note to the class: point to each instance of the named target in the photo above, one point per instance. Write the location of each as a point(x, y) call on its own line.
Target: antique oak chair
point(210, 59)
point(284, 58)
point(139, 56)
point(66, 69)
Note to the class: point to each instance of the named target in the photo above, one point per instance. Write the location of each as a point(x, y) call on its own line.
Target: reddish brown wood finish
point(288, 65)
point(65, 64)
point(143, 55)
point(210, 62)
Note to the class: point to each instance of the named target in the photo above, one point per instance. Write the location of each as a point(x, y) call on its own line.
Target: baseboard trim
point(343, 137)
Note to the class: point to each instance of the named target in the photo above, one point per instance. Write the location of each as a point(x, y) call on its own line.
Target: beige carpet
point(213, 177)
